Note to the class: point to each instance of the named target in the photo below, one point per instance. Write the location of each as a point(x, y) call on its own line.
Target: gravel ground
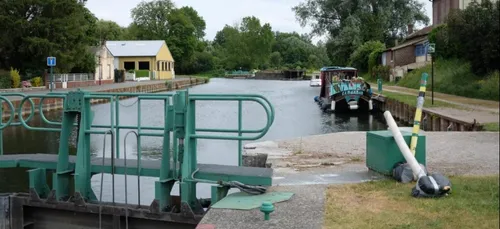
point(451, 153)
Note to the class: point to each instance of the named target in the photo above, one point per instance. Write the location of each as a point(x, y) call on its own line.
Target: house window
point(158, 65)
point(143, 65)
point(129, 65)
point(168, 66)
point(419, 50)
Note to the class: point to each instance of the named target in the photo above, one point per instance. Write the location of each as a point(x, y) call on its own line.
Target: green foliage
point(349, 24)
point(381, 71)
point(141, 74)
point(275, 59)
point(456, 77)
point(37, 81)
point(472, 34)
point(63, 29)
point(360, 57)
point(110, 30)
point(15, 78)
point(5, 81)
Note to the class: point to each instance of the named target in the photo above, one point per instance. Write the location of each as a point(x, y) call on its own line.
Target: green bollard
point(379, 84)
point(266, 208)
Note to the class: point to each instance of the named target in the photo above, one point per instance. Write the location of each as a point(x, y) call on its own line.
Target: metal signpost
point(432, 50)
point(51, 62)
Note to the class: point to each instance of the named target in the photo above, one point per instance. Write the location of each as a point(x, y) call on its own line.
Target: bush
point(473, 34)
point(455, 77)
point(141, 74)
point(360, 57)
point(37, 82)
point(381, 71)
point(5, 81)
point(15, 78)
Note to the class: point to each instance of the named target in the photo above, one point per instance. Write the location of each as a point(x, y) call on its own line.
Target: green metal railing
point(180, 119)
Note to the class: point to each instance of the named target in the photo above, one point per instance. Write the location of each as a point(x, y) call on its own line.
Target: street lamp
point(432, 50)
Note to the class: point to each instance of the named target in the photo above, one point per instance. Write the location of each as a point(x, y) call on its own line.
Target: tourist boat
point(315, 80)
point(342, 90)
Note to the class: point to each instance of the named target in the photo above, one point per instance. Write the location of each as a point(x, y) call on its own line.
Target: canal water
point(296, 115)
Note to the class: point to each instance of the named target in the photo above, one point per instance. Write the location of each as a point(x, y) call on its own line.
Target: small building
point(105, 65)
point(409, 55)
point(149, 55)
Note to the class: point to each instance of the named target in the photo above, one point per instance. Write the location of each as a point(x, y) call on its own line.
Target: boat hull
point(343, 103)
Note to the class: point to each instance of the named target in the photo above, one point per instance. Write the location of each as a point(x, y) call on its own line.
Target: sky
point(218, 13)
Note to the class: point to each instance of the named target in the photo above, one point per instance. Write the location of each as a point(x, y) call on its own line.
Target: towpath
point(484, 111)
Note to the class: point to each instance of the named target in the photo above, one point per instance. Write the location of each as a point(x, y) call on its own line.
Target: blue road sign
point(51, 61)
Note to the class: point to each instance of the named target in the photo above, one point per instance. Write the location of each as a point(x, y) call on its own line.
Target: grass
point(412, 100)
point(455, 77)
point(474, 203)
point(492, 126)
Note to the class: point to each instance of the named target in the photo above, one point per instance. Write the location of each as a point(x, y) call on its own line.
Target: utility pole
point(432, 50)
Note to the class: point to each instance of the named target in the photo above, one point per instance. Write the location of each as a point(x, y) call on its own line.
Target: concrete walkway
point(484, 111)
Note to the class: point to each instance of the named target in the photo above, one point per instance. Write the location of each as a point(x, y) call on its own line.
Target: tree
point(109, 30)
point(247, 45)
point(197, 21)
point(351, 23)
point(151, 19)
point(275, 59)
point(35, 29)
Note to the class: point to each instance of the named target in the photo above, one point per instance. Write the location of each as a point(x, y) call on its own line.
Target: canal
point(296, 115)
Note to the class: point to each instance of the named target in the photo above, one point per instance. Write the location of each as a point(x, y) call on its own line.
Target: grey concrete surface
point(303, 211)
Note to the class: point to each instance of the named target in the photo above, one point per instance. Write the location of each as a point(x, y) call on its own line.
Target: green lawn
point(473, 203)
point(492, 126)
point(412, 100)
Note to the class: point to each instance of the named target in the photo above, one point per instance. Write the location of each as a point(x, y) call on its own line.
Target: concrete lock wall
point(4, 211)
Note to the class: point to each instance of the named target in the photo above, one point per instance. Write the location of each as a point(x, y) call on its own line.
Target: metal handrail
point(102, 172)
point(269, 109)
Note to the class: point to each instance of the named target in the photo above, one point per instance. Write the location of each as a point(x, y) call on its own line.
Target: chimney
point(410, 29)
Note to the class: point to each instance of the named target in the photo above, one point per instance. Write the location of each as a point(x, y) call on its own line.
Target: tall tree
point(35, 29)
point(109, 30)
point(363, 20)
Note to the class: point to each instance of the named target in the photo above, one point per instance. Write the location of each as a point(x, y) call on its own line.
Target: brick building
point(410, 54)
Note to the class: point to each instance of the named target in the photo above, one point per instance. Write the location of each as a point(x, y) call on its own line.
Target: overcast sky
point(218, 13)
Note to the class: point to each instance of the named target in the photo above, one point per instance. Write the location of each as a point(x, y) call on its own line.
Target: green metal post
point(379, 84)
point(179, 134)
point(51, 78)
point(83, 165)
point(163, 187)
point(38, 182)
point(1, 131)
point(189, 164)
point(117, 126)
point(62, 175)
point(240, 125)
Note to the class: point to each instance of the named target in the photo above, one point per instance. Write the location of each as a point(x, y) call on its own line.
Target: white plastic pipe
point(410, 159)
point(332, 106)
point(370, 105)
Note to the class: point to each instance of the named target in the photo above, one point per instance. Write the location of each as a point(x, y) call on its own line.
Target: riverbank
point(448, 113)
point(127, 87)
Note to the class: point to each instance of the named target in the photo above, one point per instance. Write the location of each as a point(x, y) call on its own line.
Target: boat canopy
point(337, 68)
